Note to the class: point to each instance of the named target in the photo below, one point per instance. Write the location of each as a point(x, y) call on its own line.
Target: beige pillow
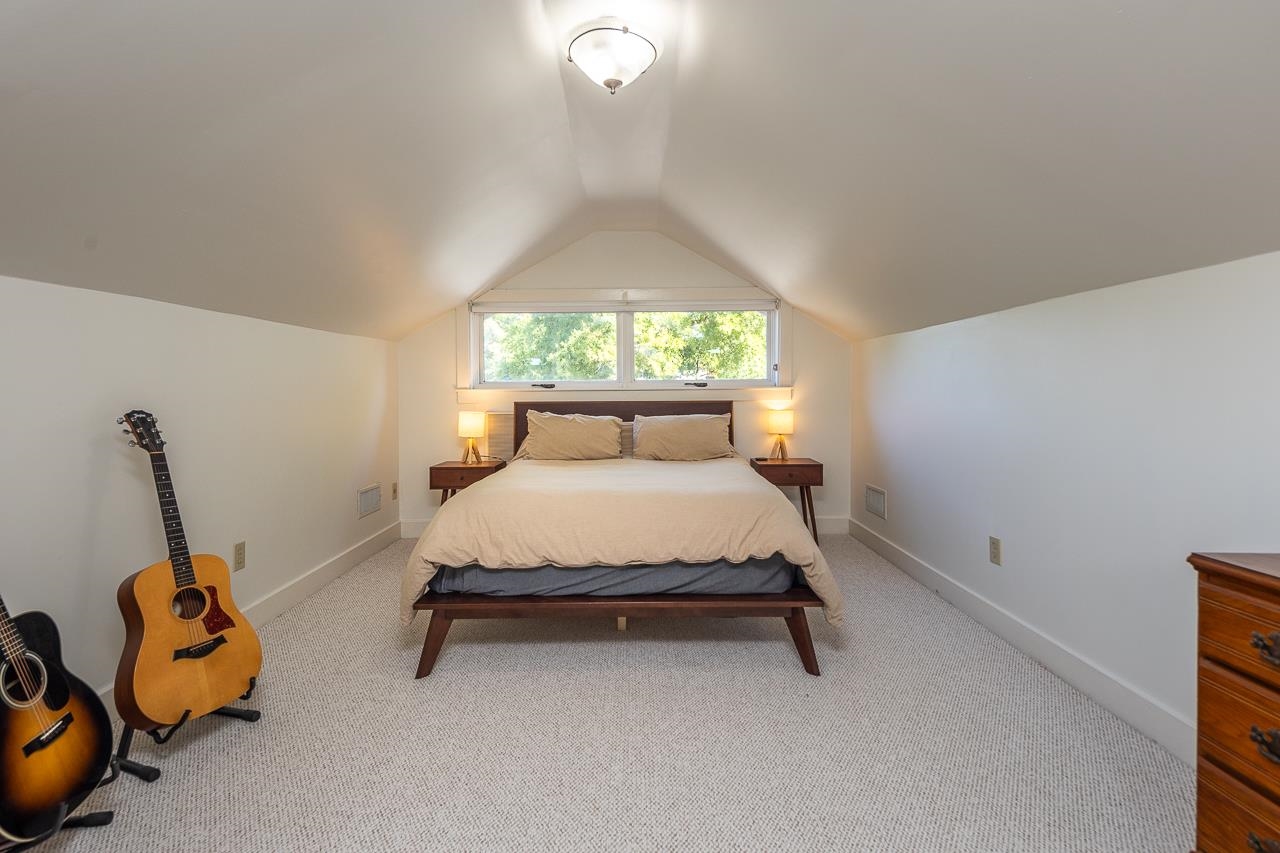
point(572, 437)
point(685, 438)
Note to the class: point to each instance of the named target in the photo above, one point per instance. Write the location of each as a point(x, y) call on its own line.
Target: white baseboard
point(833, 524)
point(412, 528)
point(1145, 713)
point(286, 595)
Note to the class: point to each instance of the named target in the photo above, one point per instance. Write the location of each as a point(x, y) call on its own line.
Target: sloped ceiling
point(361, 167)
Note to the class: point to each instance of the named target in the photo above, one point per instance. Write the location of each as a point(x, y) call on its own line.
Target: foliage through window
point(701, 345)
point(626, 348)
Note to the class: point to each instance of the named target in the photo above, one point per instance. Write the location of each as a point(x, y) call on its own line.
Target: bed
point(618, 538)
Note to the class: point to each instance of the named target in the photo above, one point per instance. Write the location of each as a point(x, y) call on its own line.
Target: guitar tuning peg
point(120, 419)
point(133, 443)
point(125, 431)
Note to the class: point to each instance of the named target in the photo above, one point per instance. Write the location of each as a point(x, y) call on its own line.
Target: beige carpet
point(925, 732)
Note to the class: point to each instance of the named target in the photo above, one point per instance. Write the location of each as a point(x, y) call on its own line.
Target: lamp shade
point(611, 54)
point(782, 422)
point(471, 424)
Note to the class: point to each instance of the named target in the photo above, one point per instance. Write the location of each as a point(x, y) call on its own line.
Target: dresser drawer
point(1240, 726)
point(1240, 630)
point(1231, 817)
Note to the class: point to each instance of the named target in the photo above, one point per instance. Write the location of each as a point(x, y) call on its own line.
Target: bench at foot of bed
point(446, 607)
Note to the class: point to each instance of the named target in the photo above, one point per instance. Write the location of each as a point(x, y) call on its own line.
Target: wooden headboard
point(625, 409)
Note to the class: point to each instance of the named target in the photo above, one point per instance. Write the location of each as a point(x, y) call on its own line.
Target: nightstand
point(797, 471)
point(452, 477)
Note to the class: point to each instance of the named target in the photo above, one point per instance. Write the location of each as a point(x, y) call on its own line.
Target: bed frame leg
point(798, 624)
point(622, 623)
point(436, 633)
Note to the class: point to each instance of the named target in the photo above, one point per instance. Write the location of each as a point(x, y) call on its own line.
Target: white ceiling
point(886, 165)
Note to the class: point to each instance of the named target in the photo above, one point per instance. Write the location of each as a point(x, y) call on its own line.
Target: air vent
point(369, 500)
point(875, 502)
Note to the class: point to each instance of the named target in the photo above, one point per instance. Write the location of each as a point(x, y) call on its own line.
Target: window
point(717, 347)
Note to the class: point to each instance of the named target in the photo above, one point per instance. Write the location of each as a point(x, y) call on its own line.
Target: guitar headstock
point(142, 426)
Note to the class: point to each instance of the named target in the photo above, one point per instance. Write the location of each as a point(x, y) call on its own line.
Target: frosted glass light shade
point(782, 422)
point(471, 424)
point(612, 55)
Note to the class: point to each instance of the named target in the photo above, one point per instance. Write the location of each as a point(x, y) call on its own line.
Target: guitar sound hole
point(23, 686)
point(189, 603)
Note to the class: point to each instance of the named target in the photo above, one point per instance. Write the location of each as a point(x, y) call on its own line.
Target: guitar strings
point(25, 676)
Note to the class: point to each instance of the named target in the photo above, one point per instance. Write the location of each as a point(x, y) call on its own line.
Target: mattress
point(757, 575)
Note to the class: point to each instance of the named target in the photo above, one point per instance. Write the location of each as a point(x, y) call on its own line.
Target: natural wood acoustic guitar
point(55, 735)
point(188, 649)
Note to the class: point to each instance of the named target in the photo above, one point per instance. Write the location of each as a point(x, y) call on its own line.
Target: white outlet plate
point(995, 550)
point(238, 560)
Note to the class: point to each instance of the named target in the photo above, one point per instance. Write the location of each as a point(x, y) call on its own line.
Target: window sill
point(501, 398)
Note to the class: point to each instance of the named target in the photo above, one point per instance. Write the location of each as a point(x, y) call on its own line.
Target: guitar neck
point(11, 642)
point(175, 536)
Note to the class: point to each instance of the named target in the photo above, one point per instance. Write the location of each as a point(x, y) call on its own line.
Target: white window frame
point(626, 379)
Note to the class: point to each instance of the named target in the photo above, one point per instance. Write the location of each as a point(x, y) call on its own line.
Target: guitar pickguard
point(215, 618)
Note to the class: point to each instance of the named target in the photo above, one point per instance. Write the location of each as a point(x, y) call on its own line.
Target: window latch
point(697, 384)
point(543, 385)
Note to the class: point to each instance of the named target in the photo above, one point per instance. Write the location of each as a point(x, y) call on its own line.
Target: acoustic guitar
point(55, 735)
point(188, 649)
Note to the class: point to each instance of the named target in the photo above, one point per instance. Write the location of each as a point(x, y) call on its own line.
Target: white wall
point(820, 367)
point(623, 260)
point(1103, 437)
point(272, 429)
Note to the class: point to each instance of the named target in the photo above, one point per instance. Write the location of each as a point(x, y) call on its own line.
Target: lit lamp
point(611, 53)
point(471, 427)
point(781, 422)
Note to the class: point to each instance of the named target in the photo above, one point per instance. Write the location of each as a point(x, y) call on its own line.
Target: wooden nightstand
point(452, 477)
point(797, 471)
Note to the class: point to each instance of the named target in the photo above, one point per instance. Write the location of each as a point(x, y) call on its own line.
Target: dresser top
point(1265, 564)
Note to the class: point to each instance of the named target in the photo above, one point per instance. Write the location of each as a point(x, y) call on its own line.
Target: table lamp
point(471, 427)
point(781, 422)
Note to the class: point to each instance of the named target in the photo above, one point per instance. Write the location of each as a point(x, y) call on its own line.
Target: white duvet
point(616, 512)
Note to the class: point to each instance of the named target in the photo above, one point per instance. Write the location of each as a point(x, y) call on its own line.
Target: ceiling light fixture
point(612, 54)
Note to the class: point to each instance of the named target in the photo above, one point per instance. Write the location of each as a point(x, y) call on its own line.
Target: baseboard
point(1145, 713)
point(286, 595)
point(833, 524)
point(412, 528)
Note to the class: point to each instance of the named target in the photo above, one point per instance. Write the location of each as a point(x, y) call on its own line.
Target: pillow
point(571, 437)
point(685, 438)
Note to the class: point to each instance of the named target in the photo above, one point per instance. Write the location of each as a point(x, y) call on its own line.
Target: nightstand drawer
point(455, 479)
point(458, 475)
point(784, 474)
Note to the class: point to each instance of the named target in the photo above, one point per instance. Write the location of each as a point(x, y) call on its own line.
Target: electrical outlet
point(395, 491)
point(994, 548)
point(239, 557)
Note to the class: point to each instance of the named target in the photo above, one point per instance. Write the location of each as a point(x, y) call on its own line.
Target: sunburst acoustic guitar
point(188, 649)
point(55, 735)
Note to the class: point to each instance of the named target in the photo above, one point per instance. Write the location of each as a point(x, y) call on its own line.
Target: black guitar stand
point(74, 822)
point(123, 764)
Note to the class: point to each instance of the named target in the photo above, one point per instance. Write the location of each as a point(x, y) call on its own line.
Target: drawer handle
point(1257, 845)
point(1268, 742)
point(1266, 646)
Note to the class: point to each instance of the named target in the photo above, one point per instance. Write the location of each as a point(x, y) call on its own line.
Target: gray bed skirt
point(770, 574)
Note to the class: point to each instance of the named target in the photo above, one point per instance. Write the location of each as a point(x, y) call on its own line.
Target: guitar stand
point(123, 764)
point(63, 822)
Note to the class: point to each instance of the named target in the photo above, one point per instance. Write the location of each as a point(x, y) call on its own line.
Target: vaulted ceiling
point(884, 164)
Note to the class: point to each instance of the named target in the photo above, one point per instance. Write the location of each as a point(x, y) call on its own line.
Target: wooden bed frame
point(446, 607)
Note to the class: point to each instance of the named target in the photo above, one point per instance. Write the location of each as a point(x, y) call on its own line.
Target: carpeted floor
point(925, 732)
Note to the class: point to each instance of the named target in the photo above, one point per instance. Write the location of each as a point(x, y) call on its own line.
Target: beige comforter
point(615, 512)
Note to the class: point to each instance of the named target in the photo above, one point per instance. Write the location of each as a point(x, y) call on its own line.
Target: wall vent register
point(875, 502)
point(369, 500)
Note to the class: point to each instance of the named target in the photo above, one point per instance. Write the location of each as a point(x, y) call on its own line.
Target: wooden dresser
point(1238, 766)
